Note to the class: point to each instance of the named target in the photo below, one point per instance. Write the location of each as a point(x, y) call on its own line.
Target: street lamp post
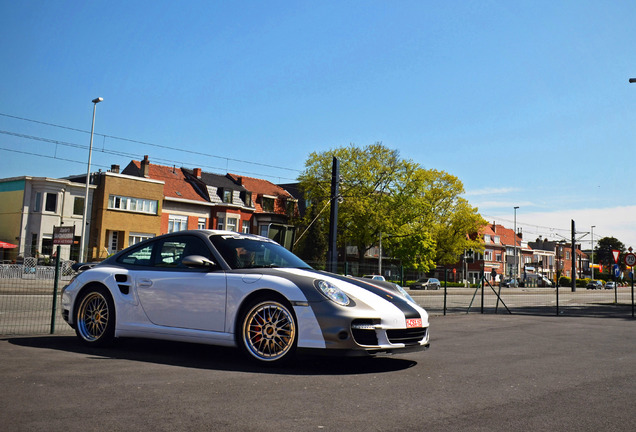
point(592, 253)
point(515, 245)
point(88, 179)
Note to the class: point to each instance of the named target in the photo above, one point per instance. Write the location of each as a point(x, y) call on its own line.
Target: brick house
point(232, 204)
point(273, 209)
point(183, 206)
point(126, 210)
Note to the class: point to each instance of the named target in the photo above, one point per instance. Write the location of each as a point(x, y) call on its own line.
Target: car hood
point(374, 294)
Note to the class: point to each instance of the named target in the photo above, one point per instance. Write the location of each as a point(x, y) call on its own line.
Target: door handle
point(145, 283)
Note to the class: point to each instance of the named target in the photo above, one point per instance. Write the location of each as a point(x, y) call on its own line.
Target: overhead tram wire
point(135, 156)
point(545, 231)
point(152, 144)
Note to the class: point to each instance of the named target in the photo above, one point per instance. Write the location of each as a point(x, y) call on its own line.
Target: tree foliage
point(604, 248)
point(419, 213)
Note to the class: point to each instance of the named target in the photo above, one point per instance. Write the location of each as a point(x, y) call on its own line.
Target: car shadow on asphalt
point(200, 356)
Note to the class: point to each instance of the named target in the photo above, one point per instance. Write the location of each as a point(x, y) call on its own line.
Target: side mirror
point(197, 261)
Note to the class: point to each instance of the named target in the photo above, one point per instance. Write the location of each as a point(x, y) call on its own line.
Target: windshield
point(250, 252)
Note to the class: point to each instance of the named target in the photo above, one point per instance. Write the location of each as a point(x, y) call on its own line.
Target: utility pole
point(332, 252)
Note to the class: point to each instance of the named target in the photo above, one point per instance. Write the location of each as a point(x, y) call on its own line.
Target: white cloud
point(491, 191)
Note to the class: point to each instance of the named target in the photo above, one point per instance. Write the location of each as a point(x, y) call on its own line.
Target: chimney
point(197, 173)
point(145, 167)
point(114, 169)
point(240, 181)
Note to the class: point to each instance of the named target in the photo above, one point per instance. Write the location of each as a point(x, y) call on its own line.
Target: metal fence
point(27, 300)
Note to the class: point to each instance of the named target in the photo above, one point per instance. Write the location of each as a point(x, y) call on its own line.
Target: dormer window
point(268, 203)
point(290, 206)
point(247, 198)
point(225, 195)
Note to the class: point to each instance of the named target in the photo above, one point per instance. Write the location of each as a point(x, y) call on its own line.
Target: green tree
point(603, 251)
point(418, 213)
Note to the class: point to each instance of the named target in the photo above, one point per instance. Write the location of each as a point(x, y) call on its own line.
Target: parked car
point(544, 282)
point(610, 285)
point(426, 283)
point(595, 284)
point(510, 283)
point(374, 277)
point(232, 289)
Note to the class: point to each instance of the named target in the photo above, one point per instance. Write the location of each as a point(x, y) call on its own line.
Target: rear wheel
point(95, 317)
point(268, 331)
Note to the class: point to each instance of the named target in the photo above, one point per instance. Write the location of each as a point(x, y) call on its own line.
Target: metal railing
point(29, 304)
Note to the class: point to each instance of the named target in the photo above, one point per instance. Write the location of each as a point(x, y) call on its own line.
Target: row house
point(30, 207)
point(126, 210)
point(564, 261)
point(142, 201)
point(233, 207)
point(196, 199)
point(182, 206)
point(274, 207)
point(505, 255)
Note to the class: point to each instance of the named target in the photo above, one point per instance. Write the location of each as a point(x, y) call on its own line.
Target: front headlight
point(332, 292)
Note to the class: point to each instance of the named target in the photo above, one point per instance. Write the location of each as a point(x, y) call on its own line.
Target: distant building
point(29, 209)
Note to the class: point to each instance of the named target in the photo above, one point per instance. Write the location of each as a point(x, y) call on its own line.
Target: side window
point(140, 257)
point(172, 251)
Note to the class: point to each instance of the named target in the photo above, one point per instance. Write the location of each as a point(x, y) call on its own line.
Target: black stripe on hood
point(305, 283)
point(392, 296)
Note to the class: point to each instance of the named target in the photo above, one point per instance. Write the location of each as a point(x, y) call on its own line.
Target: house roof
point(506, 235)
point(217, 180)
point(260, 186)
point(175, 184)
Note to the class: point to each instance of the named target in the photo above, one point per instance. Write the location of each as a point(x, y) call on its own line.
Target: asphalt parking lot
point(482, 373)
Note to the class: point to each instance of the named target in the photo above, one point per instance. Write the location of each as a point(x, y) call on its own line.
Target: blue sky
point(527, 103)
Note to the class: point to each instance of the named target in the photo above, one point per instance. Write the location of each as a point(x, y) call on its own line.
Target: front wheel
point(268, 331)
point(95, 317)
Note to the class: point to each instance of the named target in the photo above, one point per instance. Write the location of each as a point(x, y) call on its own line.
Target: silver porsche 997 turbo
point(232, 289)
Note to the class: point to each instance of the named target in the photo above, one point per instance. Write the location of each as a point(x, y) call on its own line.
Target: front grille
point(363, 331)
point(411, 336)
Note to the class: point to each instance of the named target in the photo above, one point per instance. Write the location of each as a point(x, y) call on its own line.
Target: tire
point(268, 331)
point(95, 317)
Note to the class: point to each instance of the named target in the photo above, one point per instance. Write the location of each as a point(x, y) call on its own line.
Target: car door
point(173, 295)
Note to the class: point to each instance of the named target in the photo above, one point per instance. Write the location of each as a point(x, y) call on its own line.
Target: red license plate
point(413, 322)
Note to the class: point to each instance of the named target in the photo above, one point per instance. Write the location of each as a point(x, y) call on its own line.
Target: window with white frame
point(134, 238)
point(488, 255)
point(202, 223)
point(486, 238)
point(220, 223)
point(232, 224)
point(268, 204)
point(246, 227)
point(137, 205)
point(497, 240)
point(177, 223)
